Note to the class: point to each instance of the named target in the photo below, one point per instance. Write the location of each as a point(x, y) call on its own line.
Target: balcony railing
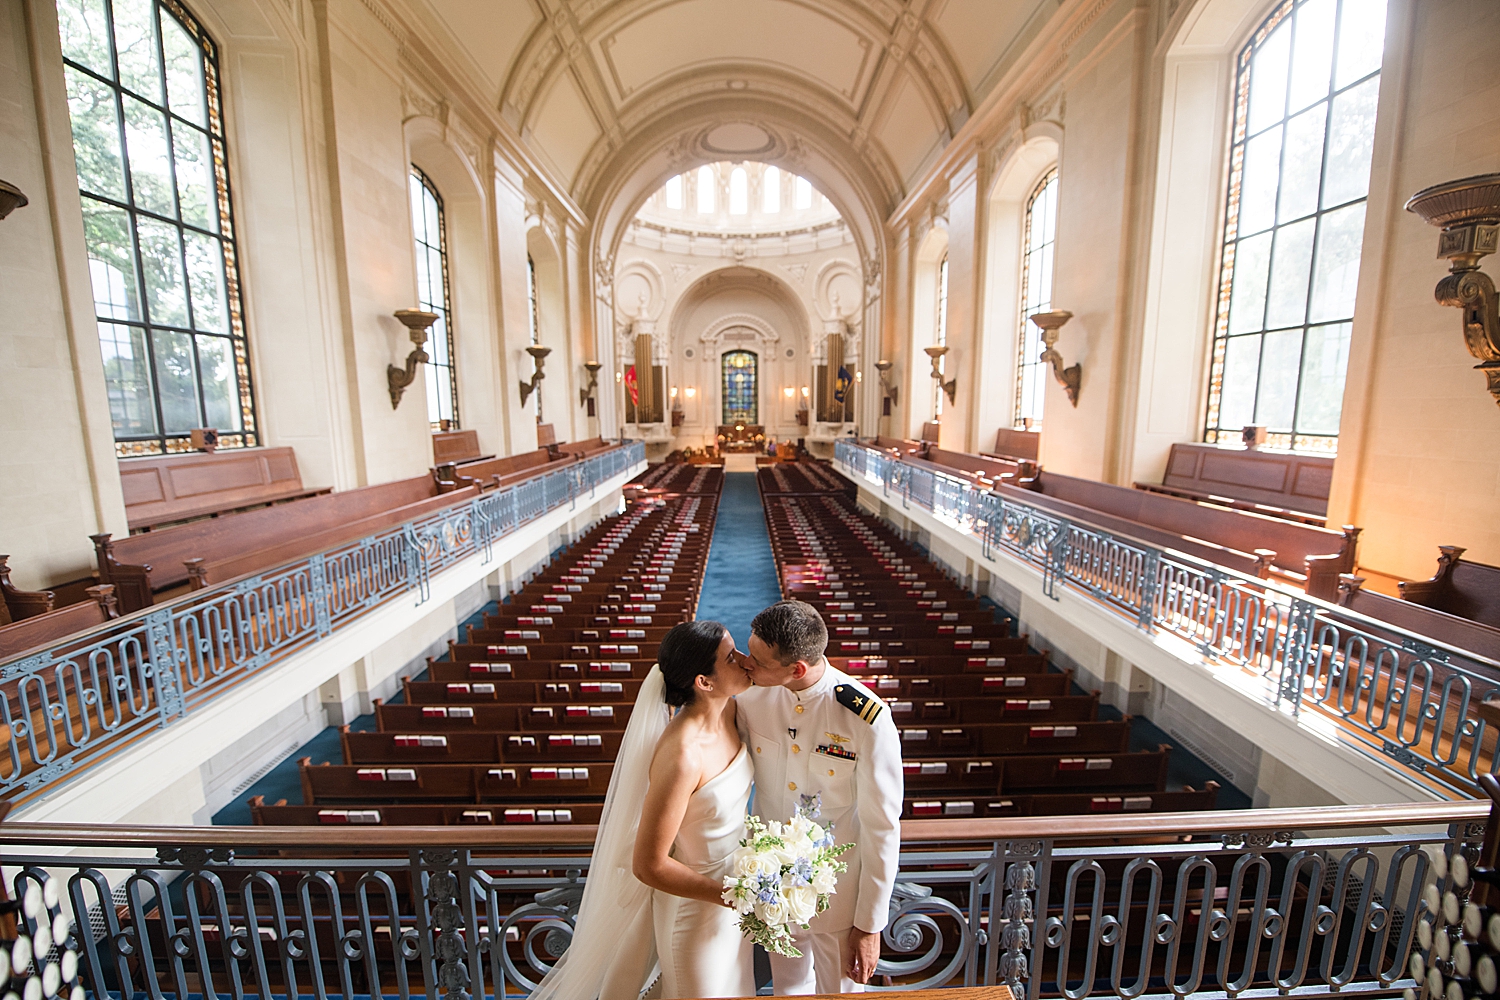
point(1407, 700)
point(1259, 904)
point(66, 707)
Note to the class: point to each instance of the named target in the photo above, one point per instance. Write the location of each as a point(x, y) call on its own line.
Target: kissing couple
point(711, 724)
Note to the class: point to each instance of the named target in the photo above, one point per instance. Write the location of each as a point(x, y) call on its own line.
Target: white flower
point(746, 862)
point(772, 913)
point(824, 880)
point(801, 903)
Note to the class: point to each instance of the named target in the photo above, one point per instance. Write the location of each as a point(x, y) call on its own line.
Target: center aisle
point(741, 575)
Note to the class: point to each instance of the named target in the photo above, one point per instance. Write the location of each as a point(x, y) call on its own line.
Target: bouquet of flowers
point(782, 874)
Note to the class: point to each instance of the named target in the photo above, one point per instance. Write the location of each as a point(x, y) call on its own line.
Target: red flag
point(632, 387)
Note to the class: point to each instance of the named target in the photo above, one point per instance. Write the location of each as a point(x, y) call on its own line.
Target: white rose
point(745, 862)
point(773, 914)
point(801, 903)
point(823, 881)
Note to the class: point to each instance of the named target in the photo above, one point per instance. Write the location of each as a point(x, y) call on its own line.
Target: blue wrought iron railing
point(1252, 905)
point(67, 706)
point(1407, 700)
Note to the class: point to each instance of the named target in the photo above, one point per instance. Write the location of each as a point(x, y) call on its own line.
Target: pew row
point(162, 489)
point(1276, 483)
point(1464, 589)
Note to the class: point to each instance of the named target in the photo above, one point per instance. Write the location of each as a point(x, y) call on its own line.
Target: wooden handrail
point(1222, 821)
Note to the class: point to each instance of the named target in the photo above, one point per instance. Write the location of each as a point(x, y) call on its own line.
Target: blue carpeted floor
point(741, 575)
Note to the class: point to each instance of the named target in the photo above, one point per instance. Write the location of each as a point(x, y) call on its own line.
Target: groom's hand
point(864, 953)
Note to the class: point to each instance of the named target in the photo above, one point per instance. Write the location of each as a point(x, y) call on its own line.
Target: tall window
point(770, 191)
point(432, 294)
point(1304, 126)
point(741, 400)
point(148, 140)
point(706, 189)
point(531, 311)
point(674, 191)
point(802, 193)
point(1036, 296)
point(940, 332)
point(739, 191)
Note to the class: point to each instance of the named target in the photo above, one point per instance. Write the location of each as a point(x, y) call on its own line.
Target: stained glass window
point(431, 233)
point(148, 140)
point(1304, 126)
point(741, 402)
point(1036, 296)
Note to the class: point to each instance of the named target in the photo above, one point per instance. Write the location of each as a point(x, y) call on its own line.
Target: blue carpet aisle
point(741, 576)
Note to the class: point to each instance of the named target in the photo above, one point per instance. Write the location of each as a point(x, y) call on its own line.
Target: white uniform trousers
point(825, 957)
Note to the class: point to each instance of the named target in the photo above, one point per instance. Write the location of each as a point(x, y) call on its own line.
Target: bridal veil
point(613, 954)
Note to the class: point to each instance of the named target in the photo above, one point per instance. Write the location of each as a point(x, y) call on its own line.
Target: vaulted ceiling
point(582, 79)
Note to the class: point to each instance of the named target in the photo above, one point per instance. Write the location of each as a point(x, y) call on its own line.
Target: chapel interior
point(381, 378)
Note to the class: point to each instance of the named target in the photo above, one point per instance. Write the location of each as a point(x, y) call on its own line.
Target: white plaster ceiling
point(580, 78)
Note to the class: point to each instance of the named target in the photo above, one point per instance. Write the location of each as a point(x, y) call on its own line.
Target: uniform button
point(757, 749)
point(792, 785)
point(796, 748)
point(830, 772)
point(799, 709)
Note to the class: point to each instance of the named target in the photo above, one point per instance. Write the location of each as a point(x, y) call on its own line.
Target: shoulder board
point(858, 701)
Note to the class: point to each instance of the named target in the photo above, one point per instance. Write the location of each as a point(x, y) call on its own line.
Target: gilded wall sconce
point(887, 386)
point(1468, 212)
point(538, 355)
point(417, 323)
point(936, 352)
point(587, 392)
point(1050, 323)
point(11, 198)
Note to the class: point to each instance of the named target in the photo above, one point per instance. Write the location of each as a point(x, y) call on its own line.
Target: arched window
point(802, 193)
point(148, 139)
point(741, 398)
point(770, 191)
point(432, 294)
point(739, 191)
point(1036, 296)
point(706, 182)
point(940, 331)
point(531, 313)
point(1303, 129)
point(674, 191)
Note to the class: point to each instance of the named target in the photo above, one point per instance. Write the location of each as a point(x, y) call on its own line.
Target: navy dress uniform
point(836, 740)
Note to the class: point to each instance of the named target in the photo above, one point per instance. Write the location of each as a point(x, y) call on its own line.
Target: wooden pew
point(1465, 633)
point(1304, 554)
point(1059, 803)
point(1276, 483)
point(425, 814)
point(204, 573)
point(497, 473)
point(22, 604)
point(140, 565)
point(983, 470)
point(49, 627)
point(588, 448)
point(1020, 446)
point(162, 489)
point(456, 447)
point(1466, 589)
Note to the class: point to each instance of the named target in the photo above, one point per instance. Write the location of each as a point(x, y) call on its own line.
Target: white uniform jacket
point(835, 738)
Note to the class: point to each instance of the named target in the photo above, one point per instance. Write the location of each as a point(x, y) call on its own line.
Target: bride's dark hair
point(688, 651)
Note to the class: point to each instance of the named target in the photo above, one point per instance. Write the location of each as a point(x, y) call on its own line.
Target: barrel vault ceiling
point(579, 78)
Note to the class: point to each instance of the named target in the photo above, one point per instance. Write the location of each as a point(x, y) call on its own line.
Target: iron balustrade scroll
point(1132, 907)
point(65, 707)
point(1404, 699)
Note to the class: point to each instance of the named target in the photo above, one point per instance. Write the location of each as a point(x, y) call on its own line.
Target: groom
point(813, 730)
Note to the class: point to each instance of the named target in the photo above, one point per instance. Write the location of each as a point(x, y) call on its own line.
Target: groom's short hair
point(795, 629)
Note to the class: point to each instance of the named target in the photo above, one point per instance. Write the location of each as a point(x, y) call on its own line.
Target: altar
point(741, 438)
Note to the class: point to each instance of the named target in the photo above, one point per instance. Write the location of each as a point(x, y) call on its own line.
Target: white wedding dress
point(623, 928)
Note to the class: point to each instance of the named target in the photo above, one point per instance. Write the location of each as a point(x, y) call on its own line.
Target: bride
point(674, 813)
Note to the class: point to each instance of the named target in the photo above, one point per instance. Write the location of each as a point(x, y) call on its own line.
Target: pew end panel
point(132, 582)
point(49, 628)
point(22, 604)
point(1466, 589)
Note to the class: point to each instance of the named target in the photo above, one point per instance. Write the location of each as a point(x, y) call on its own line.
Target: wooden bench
point(1018, 446)
point(21, 604)
point(498, 473)
point(1466, 589)
point(986, 471)
point(456, 447)
point(584, 449)
point(203, 572)
point(1433, 623)
point(903, 446)
point(1277, 483)
point(141, 565)
point(50, 626)
point(1305, 555)
point(167, 488)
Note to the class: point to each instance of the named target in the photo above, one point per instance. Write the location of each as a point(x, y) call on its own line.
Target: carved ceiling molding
point(715, 331)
